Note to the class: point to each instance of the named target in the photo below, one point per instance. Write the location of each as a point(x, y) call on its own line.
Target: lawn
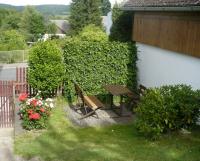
point(64, 142)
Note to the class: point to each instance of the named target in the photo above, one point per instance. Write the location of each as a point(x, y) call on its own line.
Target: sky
point(37, 2)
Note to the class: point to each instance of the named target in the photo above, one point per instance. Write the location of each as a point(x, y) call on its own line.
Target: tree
point(92, 33)
point(11, 40)
point(106, 7)
point(121, 29)
point(32, 23)
point(83, 13)
point(3, 13)
point(11, 21)
point(51, 28)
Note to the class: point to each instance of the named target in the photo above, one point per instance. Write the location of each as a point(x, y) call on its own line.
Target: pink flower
point(23, 97)
point(34, 102)
point(34, 116)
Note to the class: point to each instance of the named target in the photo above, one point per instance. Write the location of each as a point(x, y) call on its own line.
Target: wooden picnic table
point(117, 90)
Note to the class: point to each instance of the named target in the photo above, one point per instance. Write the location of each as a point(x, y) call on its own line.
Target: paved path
point(6, 144)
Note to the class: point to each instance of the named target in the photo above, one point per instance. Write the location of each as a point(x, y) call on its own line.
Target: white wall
point(158, 67)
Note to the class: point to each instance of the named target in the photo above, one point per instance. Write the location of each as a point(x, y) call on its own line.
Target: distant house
point(62, 28)
point(167, 33)
point(107, 22)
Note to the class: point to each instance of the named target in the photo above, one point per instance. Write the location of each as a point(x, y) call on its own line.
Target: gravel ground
point(103, 117)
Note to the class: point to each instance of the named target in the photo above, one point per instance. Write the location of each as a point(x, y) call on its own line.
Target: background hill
point(44, 9)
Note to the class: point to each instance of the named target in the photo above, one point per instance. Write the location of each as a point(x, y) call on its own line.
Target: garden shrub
point(93, 64)
point(184, 103)
point(46, 68)
point(166, 109)
point(150, 114)
point(34, 112)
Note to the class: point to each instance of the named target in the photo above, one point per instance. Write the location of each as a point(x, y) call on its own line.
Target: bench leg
point(87, 115)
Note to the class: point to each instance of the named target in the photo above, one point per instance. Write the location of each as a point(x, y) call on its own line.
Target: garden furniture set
point(93, 103)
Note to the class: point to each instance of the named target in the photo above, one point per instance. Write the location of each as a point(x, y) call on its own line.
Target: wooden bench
point(86, 101)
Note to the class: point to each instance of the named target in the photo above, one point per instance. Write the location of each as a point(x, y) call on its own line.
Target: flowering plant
point(35, 111)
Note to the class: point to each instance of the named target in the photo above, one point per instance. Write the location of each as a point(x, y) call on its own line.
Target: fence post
point(14, 93)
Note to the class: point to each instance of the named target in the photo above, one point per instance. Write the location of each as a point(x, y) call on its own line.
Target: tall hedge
point(46, 68)
point(93, 64)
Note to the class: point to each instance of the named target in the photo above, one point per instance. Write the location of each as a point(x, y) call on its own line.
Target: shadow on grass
point(63, 142)
point(113, 144)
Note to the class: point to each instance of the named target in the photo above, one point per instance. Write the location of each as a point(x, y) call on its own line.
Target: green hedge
point(168, 108)
point(93, 64)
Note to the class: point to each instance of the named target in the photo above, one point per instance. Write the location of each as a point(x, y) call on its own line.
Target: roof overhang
point(180, 9)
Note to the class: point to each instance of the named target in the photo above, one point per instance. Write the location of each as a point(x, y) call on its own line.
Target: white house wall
point(158, 67)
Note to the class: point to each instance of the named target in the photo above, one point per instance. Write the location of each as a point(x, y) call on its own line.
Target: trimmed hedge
point(168, 108)
point(93, 64)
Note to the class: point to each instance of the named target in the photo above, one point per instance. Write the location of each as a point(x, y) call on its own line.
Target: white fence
point(14, 56)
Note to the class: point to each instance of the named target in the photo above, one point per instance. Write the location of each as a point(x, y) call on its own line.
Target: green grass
point(63, 142)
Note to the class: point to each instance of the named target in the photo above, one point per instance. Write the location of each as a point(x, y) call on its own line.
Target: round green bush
point(46, 68)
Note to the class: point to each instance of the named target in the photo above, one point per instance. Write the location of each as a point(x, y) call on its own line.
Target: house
point(167, 33)
point(62, 28)
point(107, 22)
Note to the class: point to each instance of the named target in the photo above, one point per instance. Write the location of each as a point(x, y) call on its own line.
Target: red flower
point(34, 102)
point(34, 116)
point(30, 112)
point(42, 109)
point(23, 97)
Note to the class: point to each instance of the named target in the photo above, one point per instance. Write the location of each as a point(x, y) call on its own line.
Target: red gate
point(6, 104)
point(21, 85)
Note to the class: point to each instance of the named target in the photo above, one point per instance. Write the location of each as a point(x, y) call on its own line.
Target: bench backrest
point(79, 92)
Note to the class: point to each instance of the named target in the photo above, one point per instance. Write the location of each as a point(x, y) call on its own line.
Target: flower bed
point(34, 112)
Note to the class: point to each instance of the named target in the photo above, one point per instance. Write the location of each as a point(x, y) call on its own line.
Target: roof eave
point(186, 8)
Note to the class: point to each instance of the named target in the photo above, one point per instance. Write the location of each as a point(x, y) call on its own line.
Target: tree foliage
point(83, 13)
point(32, 23)
point(105, 7)
point(121, 29)
point(11, 40)
point(3, 13)
point(92, 33)
point(9, 19)
point(51, 28)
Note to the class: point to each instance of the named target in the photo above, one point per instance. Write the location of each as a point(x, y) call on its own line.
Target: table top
point(117, 90)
